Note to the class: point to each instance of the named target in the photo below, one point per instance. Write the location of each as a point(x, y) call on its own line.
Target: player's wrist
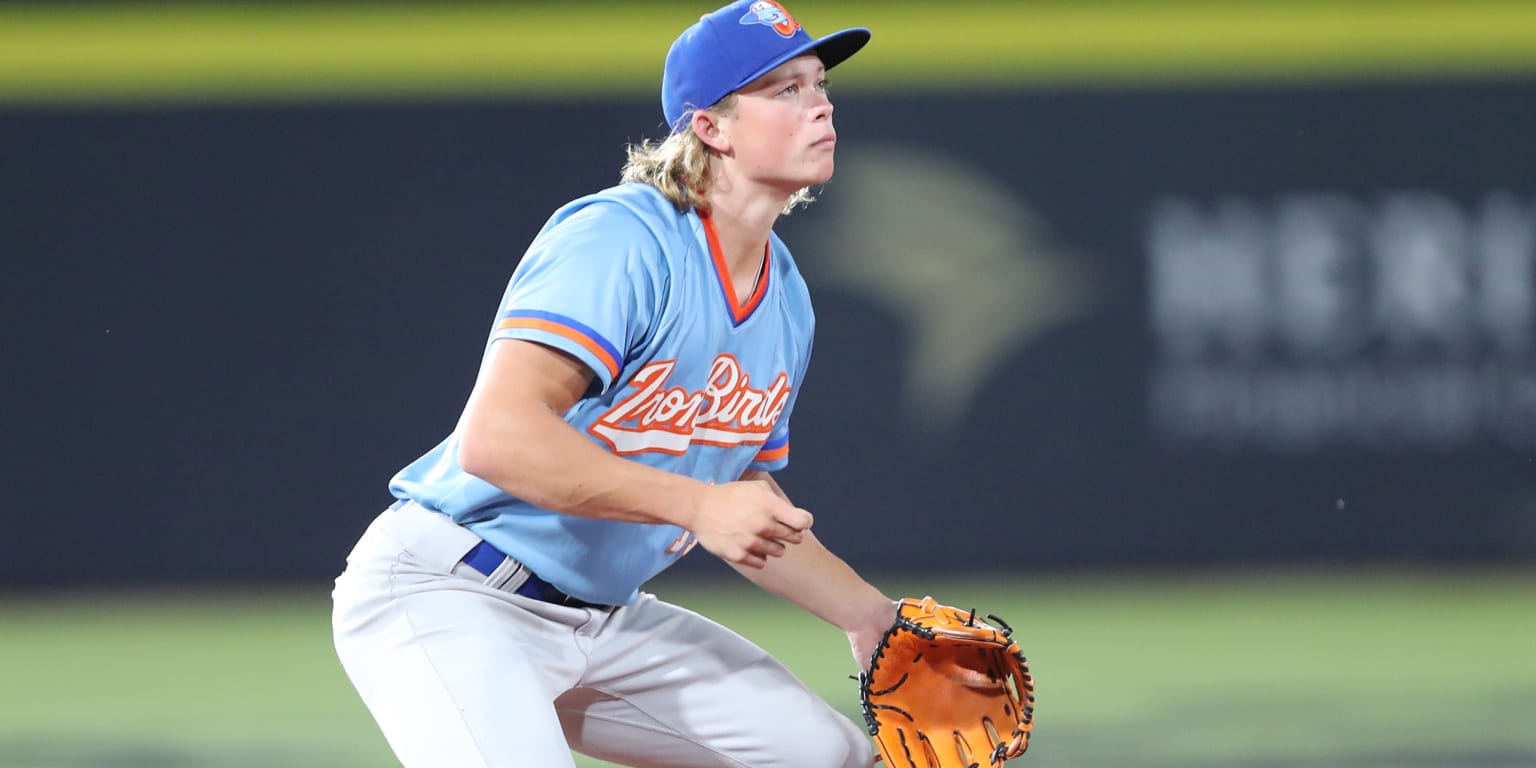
point(879, 612)
point(688, 503)
point(870, 623)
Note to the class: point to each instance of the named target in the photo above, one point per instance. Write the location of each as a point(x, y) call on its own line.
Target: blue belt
point(486, 559)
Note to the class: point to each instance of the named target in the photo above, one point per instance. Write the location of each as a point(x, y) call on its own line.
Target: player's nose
point(822, 109)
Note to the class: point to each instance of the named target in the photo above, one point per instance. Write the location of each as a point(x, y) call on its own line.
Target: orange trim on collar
point(739, 311)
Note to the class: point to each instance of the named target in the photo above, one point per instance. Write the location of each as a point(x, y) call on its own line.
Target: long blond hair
point(678, 165)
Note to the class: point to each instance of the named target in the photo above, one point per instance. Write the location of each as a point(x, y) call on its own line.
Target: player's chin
point(808, 175)
point(820, 172)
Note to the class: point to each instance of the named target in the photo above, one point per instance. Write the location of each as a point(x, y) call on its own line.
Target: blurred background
point(1195, 338)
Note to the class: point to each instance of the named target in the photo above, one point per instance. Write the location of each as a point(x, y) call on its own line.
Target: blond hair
point(678, 165)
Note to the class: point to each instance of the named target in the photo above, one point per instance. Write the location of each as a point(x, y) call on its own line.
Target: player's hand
point(745, 523)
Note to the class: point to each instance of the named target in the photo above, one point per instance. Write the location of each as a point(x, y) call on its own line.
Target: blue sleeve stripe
point(609, 354)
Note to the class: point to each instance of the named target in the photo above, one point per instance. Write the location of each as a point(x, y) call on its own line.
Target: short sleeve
point(588, 286)
point(774, 454)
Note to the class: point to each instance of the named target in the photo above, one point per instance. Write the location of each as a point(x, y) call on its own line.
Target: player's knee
point(835, 742)
point(860, 752)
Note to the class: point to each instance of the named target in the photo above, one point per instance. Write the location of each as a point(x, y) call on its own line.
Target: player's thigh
point(454, 673)
point(668, 687)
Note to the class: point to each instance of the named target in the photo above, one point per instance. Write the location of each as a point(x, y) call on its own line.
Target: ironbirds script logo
point(771, 14)
point(728, 412)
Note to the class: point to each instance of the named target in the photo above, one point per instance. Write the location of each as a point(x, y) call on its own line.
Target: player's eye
point(822, 86)
point(790, 90)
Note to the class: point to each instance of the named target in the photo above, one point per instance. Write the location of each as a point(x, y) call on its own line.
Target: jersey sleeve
point(774, 454)
point(589, 286)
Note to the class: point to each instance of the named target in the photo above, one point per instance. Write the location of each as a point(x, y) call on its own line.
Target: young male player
point(634, 396)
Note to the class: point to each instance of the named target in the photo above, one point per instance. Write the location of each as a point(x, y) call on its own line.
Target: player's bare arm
point(810, 576)
point(514, 437)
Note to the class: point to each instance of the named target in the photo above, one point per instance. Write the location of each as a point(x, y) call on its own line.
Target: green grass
point(1247, 670)
point(177, 52)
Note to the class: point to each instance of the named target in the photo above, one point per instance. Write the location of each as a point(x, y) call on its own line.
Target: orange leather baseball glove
point(947, 690)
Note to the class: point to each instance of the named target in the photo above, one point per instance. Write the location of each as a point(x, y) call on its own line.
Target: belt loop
point(497, 569)
point(508, 576)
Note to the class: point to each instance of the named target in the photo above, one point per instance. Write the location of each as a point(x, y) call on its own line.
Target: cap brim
point(833, 49)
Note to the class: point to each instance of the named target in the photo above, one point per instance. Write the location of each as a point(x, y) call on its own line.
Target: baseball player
point(633, 399)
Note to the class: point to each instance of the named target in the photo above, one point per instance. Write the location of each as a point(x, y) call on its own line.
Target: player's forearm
point(820, 582)
point(533, 454)
point(810, 576)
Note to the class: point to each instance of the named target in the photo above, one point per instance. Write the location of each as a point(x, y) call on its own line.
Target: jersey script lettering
point(728, 412)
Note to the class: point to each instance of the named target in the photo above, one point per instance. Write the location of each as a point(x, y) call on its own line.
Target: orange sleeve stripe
point(586, 342)
point(773, 454)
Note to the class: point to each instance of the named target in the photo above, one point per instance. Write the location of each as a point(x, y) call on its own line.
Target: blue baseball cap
point(738, 44)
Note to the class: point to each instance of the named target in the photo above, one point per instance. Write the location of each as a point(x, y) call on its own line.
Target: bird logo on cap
point(770, 14)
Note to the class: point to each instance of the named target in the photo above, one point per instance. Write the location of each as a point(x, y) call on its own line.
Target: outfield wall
point(1061, 324)
point(1062, 328)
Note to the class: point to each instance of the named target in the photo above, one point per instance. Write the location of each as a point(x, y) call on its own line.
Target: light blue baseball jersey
point(688, 379)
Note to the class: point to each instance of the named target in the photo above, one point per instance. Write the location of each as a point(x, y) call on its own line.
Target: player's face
point(781, 133)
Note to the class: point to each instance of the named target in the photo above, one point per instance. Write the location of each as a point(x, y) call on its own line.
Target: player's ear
point(706, 126)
